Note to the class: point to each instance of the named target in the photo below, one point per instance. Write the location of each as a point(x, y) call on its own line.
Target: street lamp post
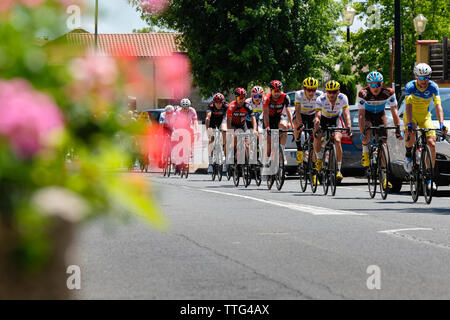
point(420, 22)
point(398, 48)
point(348, 15)
point(96, 24)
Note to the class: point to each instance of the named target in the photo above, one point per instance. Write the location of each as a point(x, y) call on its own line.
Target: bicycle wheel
point(257, 172)
point(165, 168)
point(325, 172)
point(426, 170)
point(219, 172)
point(246, 175)
point(182, 171)
point(332, 170)
point(383, 173)
point(372, 175)
point(236, 175)
point(281, 174)
point(270, 181)
point(303, 176)
point(414, 179)
point(312, 172)
point(214, 172)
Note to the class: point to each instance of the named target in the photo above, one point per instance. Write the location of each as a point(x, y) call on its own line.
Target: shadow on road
point(438, 211)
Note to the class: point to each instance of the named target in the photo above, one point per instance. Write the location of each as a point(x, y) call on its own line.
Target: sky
point(117, 16)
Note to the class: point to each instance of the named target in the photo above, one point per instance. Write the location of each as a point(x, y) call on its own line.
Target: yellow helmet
point(310, 83)
point(332, 85)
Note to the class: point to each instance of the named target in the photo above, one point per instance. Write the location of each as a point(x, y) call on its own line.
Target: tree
point(371, 46)
point(241, 43)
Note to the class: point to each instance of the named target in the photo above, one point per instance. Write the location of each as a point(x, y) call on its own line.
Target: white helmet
point(422, 70)
point(185, 103)
point(169, 109)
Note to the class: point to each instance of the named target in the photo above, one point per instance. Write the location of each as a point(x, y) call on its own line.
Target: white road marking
point(293, 206)
point(396, 233)
point(409, 229)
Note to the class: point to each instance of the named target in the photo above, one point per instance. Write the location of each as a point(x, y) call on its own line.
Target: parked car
point(397, 148)
point(154, 114)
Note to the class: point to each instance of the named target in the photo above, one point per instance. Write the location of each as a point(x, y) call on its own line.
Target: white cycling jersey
point(328, 110)
point(166, 119)
point(185, 119)
point(257, 109)
point(306, 106)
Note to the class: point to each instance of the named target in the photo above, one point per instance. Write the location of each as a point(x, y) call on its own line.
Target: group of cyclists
point(316, 111)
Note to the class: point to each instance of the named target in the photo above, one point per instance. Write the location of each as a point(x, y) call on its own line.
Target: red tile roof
point(141, 45)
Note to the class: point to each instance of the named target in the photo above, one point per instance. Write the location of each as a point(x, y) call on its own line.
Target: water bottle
point(305, 156)
point(327, 155)
point(374, 156)
point(418, 154)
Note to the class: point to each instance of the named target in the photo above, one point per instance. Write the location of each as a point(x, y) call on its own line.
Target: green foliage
point(371, 46)
point(241, 43)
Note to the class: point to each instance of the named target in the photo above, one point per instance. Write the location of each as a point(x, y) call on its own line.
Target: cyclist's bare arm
point(266, 117)
point(362, 120)
point(409, 112)
point(440, 113)
point(289, 115)
point(317, 119)
point(347, 118)
point(208, 119)
point(298, 114)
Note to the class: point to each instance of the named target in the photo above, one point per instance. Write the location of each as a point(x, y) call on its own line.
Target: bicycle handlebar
point(379, 127)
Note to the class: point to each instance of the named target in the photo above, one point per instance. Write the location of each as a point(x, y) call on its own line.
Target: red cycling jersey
point(238, 114)
point(275, 107)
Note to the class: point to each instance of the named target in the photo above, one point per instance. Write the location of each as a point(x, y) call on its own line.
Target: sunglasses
point(375, 85)
point(333, 92)
point(423, 78)
point(310, 90)
point(240, 98)
point(257, 96)
point(276, 90)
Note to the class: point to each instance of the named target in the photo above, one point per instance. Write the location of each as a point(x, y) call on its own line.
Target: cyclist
point(255, 101)
point(328, 108)
point(186, 118)
point(167, 120)
point(419, 93)
point(372, 102)
point(274, 103)
point(237, 114)
point(305, 108)
point(216, 118)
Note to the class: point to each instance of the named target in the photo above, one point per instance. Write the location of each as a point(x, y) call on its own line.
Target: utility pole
point(96, 24)
point(398, 49)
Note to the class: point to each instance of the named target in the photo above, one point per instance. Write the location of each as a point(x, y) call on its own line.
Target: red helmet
point(218, 97)
point(276, 84)
point(257, 90)
point(240, 92)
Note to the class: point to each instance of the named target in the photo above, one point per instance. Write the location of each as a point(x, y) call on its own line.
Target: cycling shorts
point(421, 122)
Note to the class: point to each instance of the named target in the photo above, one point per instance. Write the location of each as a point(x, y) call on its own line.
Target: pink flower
point(27, 117)
point(5, 5)
point(154, 6)
point(173, 75)
point(94, 69)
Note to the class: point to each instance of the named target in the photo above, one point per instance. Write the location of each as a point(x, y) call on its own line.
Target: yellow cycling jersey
point(420, 99)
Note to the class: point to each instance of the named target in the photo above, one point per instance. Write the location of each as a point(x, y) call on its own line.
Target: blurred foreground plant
point(64, 135)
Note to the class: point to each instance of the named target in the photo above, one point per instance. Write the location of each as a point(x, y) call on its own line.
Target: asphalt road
point(235, 243)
